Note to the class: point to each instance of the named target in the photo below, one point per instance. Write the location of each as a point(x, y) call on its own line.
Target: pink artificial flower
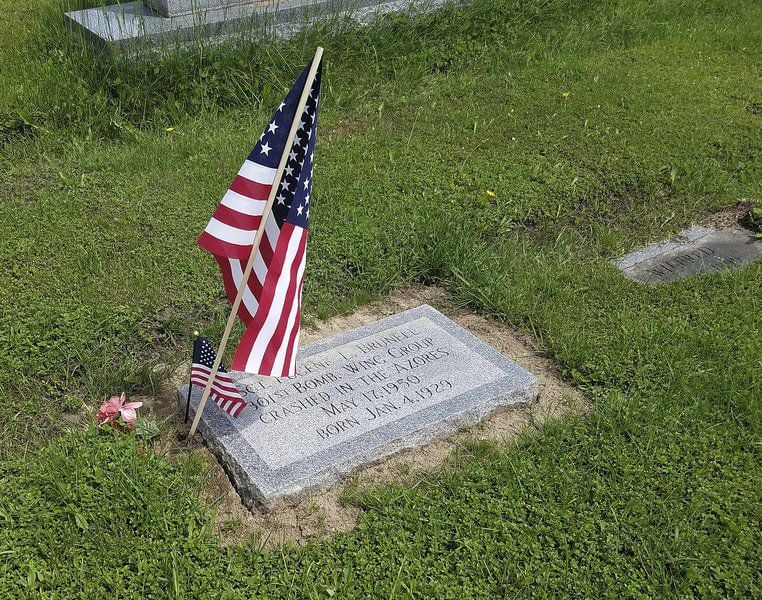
point(109, 410)
point(114, 407)
point(129, 414)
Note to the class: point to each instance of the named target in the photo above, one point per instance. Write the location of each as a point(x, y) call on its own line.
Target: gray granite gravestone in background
point(145, 24)
point(358, 396)
point(173, 8)
point(694, 251)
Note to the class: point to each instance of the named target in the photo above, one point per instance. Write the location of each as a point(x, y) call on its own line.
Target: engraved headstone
point(694, 251)
point(173, 8)
point(357, 397)
point(149, 24)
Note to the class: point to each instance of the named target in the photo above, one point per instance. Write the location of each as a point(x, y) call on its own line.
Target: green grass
point(655, 494)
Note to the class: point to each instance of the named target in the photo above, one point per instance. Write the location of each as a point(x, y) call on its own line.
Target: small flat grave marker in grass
point(359, 396)
point(694, 251)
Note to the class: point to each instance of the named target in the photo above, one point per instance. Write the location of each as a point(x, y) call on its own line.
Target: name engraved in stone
point(704, 250)
point(700, 258)
point(354, 388)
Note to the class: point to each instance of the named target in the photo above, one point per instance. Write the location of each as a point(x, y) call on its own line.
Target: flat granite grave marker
point(358, 396)
point(694, 251)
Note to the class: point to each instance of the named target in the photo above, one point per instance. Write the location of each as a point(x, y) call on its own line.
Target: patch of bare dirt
point(323, 514)
point(343, 126)
point(730, 216)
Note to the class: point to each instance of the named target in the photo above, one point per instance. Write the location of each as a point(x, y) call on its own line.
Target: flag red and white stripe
point(223, 391)
point(230, 234)
point(270, 343)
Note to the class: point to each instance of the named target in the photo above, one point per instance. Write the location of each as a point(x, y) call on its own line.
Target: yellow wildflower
point(170, 129)
point(565, 94)
point(490, 193)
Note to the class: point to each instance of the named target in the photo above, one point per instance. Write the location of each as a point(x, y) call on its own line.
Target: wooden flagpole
point(258, 238)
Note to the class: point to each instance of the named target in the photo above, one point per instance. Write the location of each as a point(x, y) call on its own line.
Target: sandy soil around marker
point(323, 514)
point(731, 216)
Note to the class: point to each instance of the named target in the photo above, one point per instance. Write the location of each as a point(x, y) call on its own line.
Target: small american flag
point(223, 392)
point(271, 303)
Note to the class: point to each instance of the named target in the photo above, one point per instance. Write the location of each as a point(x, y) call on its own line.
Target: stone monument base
point(358, 397)
point(134, 26)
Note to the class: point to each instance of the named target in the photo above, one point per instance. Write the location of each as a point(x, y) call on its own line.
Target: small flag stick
point(258, 238)
point(190, 378)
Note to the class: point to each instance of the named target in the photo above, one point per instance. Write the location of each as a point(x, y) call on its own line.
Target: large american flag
point(271, 303)
point(223, 392)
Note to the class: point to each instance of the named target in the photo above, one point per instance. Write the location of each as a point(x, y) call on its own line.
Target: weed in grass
point(72, 404)
point(231, 524)
point(753, 219)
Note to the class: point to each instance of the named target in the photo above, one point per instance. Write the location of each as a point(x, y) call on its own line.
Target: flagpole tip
point(195, 333)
